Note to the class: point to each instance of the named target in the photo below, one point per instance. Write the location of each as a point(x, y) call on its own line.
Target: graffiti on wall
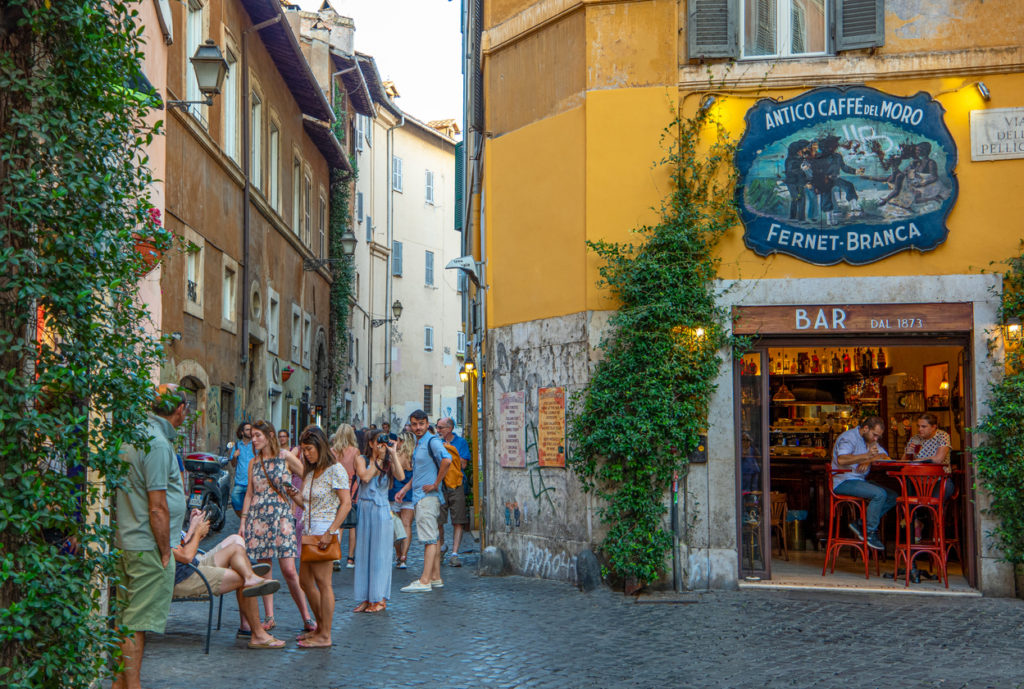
point(537, 485)
point(538, 561)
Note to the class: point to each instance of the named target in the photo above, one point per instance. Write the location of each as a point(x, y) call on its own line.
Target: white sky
point(417, 44)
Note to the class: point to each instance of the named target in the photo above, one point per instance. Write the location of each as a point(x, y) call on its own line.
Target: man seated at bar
point(855, 451)
point(931, 444)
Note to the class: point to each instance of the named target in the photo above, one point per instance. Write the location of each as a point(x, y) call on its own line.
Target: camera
point(383, 439)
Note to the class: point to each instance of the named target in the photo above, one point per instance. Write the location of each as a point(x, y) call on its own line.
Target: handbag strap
point(309, 512)
point(269, 482)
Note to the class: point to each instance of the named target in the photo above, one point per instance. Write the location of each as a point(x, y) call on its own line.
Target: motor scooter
point(209, 487)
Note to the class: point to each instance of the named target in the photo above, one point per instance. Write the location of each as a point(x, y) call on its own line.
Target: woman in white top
point(326, 501)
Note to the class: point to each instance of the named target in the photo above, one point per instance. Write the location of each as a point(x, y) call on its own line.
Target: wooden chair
point(780, 506)
point(921, 490)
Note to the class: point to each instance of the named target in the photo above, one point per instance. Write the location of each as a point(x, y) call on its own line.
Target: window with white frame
point(229, 291)
point(322, 225)
point(359, 132)
point(429, 187)
point(460, 343)
point(194, 280)
point(307, 199)
point(274, 163)
point(428, 338)
point(396, 258)
point(193, 39)
point(297, 197)
point(230, 95)
point(781, 28)
point(307, 338)
point(760, 29)
point(396, 173)
point(273, 321)
point(428, 278)
point(296, 341)
point(256, 146)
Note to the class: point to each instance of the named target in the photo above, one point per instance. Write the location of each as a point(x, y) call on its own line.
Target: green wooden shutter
point(460, 176)
point(712, 28)
point(859, 24)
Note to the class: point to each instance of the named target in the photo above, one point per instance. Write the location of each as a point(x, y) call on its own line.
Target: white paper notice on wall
point(997, 134)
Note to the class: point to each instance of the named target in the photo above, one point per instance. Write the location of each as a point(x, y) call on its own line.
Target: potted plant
point(146, 244)
point(286, 373)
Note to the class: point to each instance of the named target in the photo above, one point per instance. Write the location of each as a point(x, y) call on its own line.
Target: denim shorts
point(238, 497)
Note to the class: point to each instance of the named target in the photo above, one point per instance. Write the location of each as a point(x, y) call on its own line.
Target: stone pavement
point(519, 632)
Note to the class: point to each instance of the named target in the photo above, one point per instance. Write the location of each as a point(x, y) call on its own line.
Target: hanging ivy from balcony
point(74, 356)
point(647, 401)
point(343, 271)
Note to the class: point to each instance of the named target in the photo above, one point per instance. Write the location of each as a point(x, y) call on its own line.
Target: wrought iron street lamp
point(396, 309)
point(210, 67)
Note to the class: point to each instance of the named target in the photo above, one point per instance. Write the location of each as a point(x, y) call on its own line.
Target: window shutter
point(859, 24)
point(459, 182)
point(712, 28)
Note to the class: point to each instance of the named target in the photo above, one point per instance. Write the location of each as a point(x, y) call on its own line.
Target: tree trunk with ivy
point(74, 383)
point(342, 273)
point(646, 404)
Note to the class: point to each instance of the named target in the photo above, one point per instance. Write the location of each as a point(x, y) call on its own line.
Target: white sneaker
point(416, 587)
point(437, 584)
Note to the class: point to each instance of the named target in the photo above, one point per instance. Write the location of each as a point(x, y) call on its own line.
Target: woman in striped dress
point(375, 531)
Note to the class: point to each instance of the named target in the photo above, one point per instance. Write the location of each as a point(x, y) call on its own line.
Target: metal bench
point(203, 598)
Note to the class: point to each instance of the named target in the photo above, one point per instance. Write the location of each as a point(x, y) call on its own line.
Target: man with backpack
point(430, 462)
point(454, 492)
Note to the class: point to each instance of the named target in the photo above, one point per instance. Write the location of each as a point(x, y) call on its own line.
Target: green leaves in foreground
point(647, 402)
point(74, 358)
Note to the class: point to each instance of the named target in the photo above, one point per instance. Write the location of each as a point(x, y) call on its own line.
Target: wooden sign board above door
point(840, 319)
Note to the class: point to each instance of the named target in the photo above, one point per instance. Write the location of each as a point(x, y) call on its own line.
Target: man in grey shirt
point(149, 502)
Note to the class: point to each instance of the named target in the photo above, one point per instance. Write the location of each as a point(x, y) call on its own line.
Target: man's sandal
point(272, 645)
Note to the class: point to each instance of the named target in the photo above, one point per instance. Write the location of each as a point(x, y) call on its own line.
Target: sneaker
point(444, 549)
point(855, 528)
point(454, 561)
point(401, 564)
point(350, 563)
point(416, 587)
point(437, 583)
point(875, 542)
point(337, 565)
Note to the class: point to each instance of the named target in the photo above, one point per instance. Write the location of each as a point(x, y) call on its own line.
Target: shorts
point(238, 497)
point(427, 510)
point(144, 595)
point(194, 586)
point(454, 504)
point(397, 507)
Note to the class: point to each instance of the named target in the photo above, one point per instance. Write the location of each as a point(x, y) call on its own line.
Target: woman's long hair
point(315, 436)
point(344, 438)
point(406, 446)
point(273, 448)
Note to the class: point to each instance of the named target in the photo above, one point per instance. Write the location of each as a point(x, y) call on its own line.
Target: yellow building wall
point(576, 128)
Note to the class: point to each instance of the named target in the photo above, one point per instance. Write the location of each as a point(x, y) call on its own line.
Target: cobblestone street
point(520, 632)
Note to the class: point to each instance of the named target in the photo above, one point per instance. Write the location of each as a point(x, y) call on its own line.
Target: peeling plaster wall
point(539, 516)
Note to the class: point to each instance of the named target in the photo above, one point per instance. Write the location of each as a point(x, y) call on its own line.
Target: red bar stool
point(953, 542)
point(858, 507)
point(922, 481)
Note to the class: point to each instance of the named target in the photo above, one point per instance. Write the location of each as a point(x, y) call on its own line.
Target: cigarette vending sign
point(845, 174)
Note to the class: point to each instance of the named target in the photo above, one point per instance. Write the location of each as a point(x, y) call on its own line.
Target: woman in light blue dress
point(375, 532)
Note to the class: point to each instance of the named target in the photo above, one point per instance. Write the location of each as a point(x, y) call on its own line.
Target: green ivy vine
point(646, 404)
point(342, 271)
point(999, 457)
point(74, 356)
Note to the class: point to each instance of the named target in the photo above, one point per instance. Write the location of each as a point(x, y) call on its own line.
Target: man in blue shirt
point(241, 455)
point(854, 452)
point(430, 463)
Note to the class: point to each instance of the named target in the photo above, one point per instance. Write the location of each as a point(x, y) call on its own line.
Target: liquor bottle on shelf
point(815, 363)
point(880, 359)
point(869, 359)
point(837, 365)
point(846, 361)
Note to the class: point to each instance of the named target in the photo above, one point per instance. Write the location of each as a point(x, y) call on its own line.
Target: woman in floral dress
point(267, 520)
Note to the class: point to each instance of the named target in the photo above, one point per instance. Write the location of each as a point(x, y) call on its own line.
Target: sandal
point(379, 606)
point(362, 607)
point(272, 644)
point(310, 625)
point(269, 623)
point(303, 644)
point(243, 634)
point(401, 563)
point(350, 562)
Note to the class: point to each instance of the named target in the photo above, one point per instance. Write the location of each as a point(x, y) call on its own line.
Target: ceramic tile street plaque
point(845, 174)
point(551, 427)
point(997, 134)
point(512, 429)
